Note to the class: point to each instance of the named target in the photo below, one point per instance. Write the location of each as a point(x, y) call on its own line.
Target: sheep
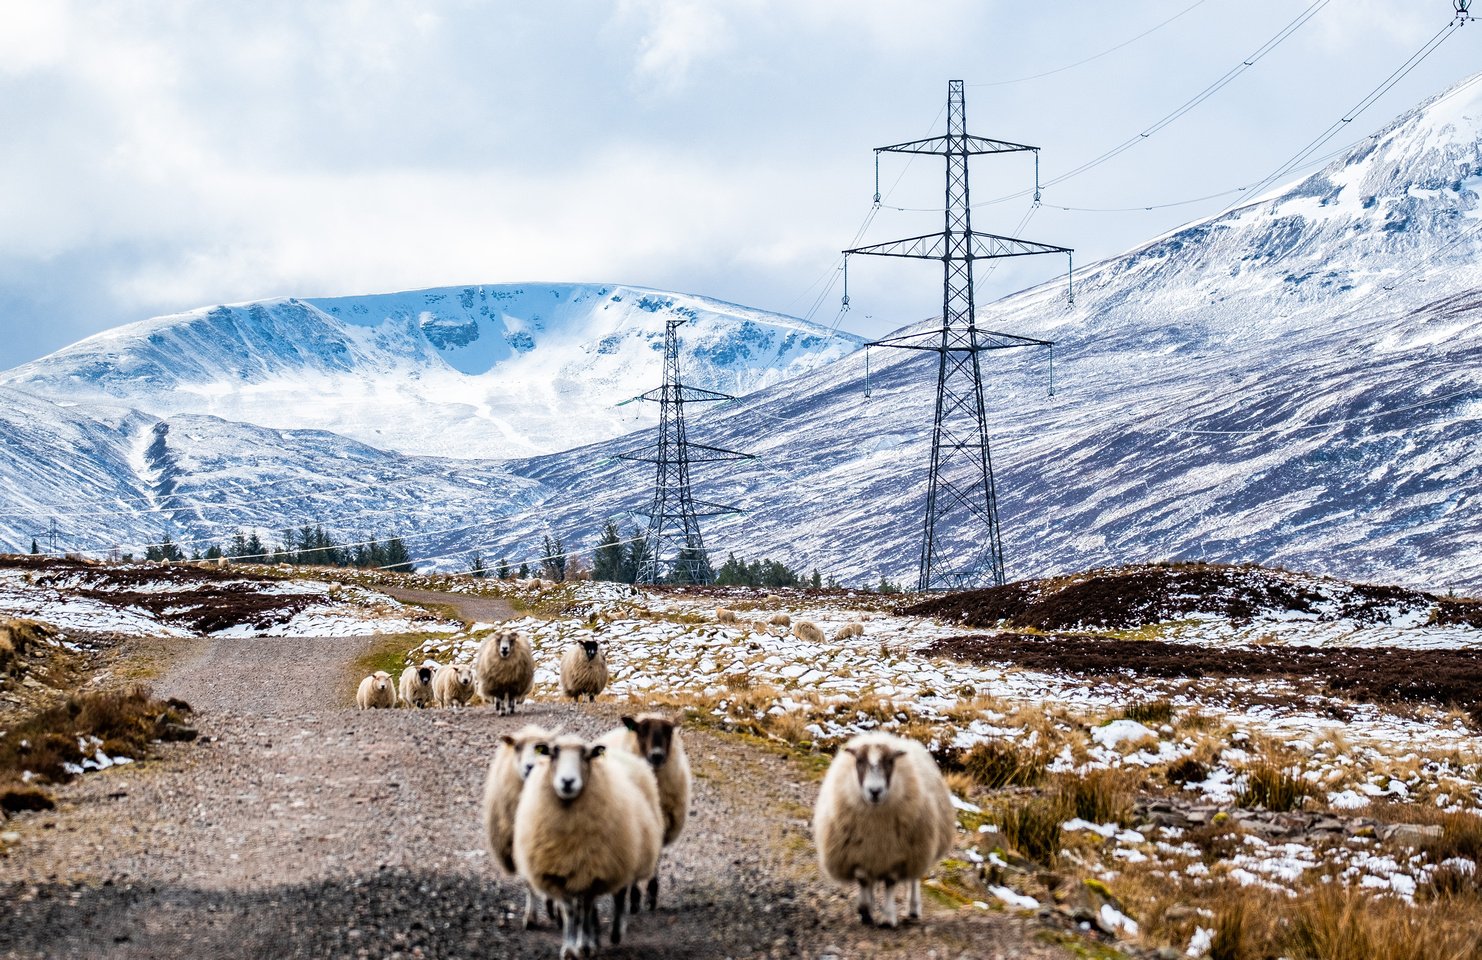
point(514, 759)
point(416, 684)
point(884, 814)
point(587, 825)
point(583, 670)
point(780, 620)
point(808, 631)
point(655, 738)
point(848, 631)
point(506, 670)
point(452, 685)
point(722, 615)
point(376, 691)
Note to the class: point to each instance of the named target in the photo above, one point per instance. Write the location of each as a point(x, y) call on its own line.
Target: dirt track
point(300, 827)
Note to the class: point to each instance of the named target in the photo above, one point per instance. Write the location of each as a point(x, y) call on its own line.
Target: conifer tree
point(397, 558)
point(477, 567)
point(504, 570)
point(607, 560)
point(524, 571)
point(553, 558)
point(35, 547)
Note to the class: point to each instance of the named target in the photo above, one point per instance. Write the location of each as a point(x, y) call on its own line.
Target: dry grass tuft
point(1273, 787)
point(1150, 712)
point(1004, 763)
point(1100, 796)
point(126, 721)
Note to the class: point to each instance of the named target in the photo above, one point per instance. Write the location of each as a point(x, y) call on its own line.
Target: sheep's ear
point(506, 739)
point(897, 754)
point(598, 750)
point(851, 751)
point(631, 724)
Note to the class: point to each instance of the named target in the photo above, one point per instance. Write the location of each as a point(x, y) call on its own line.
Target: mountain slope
point(478, 371)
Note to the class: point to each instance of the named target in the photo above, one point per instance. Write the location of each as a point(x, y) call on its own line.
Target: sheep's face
point(570, 766)
point(424, 675)
point(465, 678)
point(589, 647)
point(530, 747)
point(655, 738)
point(383, 682)
point(874, 765)
point(506, 644)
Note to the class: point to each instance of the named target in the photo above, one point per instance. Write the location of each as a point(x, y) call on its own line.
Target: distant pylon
point(960, 496)
point(673, 550)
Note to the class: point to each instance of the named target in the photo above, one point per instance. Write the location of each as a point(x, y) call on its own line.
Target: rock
point(1410, 834)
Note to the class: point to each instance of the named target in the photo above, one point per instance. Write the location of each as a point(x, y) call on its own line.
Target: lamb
point(513, 761)
point(848, 631)
point(722, 615)
point(452, 685)
point(780, 620)
point(376, 691)
point(808, 631)
point(587, 825)
point(583, 670)
point(883, 814)
point(506, 670)
point(416, 684)
point(655, 738)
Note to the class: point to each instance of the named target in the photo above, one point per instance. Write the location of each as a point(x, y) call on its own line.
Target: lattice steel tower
point(673, 550)
point(960, 495)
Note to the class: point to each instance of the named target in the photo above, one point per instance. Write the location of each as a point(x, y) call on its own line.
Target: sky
point(159, 156)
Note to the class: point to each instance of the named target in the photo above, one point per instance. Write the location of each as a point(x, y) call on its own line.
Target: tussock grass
point(1273, 787)
point(1153, 713)
point(996, 764)
point(1100, 796)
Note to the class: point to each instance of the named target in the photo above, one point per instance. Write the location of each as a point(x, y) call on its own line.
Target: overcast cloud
point(161, 156)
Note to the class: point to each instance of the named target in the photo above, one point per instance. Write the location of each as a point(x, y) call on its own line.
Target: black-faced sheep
point(883, 814)
point(505, 669)
point(587, 825)
point(807, 631)
point(452, 685)
point(376, 691)
point(514, 759)
point(416, 684)
point(655, 738)
point(583, 670)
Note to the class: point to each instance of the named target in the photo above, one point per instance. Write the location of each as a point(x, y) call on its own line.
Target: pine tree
point(816, 581)
point(35, 547)
point(634, 557)
point(504, 571)
point(477, 567)
point(524, 571)
point(256, 550)
point(397, 558)
point(607, 560)
point(553, 560)
point(213, 552)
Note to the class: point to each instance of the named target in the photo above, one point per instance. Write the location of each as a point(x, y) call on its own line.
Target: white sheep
point(452, 685)
point(848, 631)
point(376, 691)
point(655, 738)
point(723, 615)
point(883, 814)
point(583, 670)
point(514, 759)
point(587, 825)
point(780, 620)
point(807, 631)
point(505, 668)
point(416, 684)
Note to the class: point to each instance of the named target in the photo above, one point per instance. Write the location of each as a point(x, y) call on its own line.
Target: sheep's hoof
point(865, 917)
point(888, 924)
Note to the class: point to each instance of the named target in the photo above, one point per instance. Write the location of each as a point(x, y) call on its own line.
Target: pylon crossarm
point(980, 246)
point(989, 340)
point(683, 393)
point(966, 144)
point(717, 454)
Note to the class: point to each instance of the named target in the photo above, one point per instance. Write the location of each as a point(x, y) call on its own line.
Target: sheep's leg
point(532, 918)
point(619, 901)
point(636, 896)
point(866, 902)
point(891, 919)
point(571, 930)
point(591, 928)
point(914, 911)
point(653, 893)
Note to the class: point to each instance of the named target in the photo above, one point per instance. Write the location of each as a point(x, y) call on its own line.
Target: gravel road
point(300, 827)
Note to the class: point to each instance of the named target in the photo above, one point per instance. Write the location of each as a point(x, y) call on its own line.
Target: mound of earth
point(1127, 598)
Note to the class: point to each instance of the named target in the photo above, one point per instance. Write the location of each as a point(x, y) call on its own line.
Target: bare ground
point(300, 827)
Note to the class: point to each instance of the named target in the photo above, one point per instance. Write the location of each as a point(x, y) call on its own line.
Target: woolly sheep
point(514, 759)
point(452, 685)
point(655, 738)
point(416, 684)
point(722, 615)
point(376, 691)
point(808, 631)
point(505, 668)
point(883, 814)
point(583, 670)
point(780, 620)
point(587, 825)
point(849, 630)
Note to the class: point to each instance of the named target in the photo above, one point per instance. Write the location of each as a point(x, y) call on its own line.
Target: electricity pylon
point(673, 550)
point(960, 495)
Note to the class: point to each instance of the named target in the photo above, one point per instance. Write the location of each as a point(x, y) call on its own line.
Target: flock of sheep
point(578, 820)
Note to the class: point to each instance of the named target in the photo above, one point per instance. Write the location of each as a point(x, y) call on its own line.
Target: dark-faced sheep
point(587, 825)
point(416, 684)
point(514, 759)
point(505, 669)
point(452, 685)
point(583, 670)
point(884, 814)
point(656, 738)
point(377, 691)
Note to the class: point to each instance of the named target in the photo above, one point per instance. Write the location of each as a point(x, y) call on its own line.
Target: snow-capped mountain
point(478, 371)
point(1294, 382)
